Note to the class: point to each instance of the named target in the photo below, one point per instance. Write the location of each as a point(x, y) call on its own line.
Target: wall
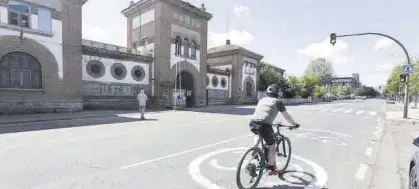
point(107, 77)
point(107, 92)
point(51, 40)
point(57, 46)
point(248, 75)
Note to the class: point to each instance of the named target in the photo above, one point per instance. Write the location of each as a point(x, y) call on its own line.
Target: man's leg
point(267, 134)
point(142, 112)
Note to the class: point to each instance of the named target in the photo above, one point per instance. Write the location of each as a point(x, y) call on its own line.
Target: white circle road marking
point(326, 131)
point(195, 172)
point(214, 163)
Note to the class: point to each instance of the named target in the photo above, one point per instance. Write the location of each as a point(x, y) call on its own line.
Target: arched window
point(178, 46)
point(186, 47)
point(193, 49)
point(20, 70)
point(248, 89)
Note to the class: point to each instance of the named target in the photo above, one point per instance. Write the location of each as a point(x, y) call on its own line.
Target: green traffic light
point(333, 39)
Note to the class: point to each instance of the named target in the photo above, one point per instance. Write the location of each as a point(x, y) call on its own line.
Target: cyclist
point(261, 122)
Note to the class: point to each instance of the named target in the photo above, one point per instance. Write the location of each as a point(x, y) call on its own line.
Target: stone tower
point(174, 32)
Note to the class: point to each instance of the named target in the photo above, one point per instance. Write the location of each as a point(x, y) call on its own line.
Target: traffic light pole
point(406, 94)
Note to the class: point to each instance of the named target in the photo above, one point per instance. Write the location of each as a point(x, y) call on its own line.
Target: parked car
point(414, 168)
point(390, 101)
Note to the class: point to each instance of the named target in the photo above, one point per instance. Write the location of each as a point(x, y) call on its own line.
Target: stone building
point(113, 76)
point(51, 69)
point(242, 66)
point(40, 70)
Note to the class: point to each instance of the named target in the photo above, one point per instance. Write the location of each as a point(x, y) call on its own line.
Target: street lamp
point(333, 37)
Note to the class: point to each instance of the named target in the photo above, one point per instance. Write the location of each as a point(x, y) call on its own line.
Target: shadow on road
point(231, 110)
point(297, 182)
point(69, 123)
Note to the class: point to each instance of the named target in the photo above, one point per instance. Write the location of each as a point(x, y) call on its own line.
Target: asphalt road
point(188, 150)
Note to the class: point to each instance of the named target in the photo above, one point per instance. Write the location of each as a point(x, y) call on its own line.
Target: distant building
point(351, 81)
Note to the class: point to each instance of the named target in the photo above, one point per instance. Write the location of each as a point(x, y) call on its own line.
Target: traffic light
point(403, 78)
point(333, 39)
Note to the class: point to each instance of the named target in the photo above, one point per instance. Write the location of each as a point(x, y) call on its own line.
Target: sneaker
point(272, 171)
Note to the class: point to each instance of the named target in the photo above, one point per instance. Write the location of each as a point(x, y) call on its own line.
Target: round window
point(138, 73)
point(208, 80)
point(214, 81)
point(223, 83)
point(118, 71)
point(95, 68)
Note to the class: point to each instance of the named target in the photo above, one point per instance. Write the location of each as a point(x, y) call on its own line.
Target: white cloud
point(237, 37)
point(336, 54)
point(383, 43)
point(241, 11)
point(105, 35)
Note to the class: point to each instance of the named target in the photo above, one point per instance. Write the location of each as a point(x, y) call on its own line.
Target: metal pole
point(406, 97)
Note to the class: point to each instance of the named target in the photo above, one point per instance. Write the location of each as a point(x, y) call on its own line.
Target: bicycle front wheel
point(253, 168)
point(283, 154)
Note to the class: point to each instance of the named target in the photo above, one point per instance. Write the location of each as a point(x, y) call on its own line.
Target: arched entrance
point(186, 83)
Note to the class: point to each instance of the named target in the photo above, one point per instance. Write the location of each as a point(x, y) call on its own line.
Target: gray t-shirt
point(267, 109)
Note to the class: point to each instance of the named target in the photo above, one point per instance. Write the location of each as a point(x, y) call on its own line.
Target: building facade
point(45, 66)
point(40, 70)
point(113, 76)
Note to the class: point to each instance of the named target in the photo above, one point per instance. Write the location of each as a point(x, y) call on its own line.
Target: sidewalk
point(391, 169)
point(26, 118)
point(396, 113)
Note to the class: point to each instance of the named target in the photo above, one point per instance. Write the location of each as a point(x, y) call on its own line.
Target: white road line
point(326, 131)
point(214, 163)
point(368, 151)
point(360, 174)
point(195, 172)
point(337, 110)
point(373, 113)
point(183, 152)
point(105, 135)
point(359, 112)
point(348, 111)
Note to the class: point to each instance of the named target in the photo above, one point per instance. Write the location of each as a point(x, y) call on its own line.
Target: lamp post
point(333, 37)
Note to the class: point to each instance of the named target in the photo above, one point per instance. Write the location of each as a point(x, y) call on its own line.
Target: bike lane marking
point(194, 170)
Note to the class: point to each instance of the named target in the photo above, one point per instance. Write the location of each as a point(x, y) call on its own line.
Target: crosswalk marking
point(359, 112)
point(341, 110)
point(348, 111)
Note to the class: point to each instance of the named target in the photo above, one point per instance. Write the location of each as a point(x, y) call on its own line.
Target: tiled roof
point(230, 48)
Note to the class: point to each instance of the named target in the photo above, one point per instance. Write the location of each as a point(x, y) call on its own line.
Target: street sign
point(408, 69)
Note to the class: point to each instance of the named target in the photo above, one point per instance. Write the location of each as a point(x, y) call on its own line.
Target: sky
point(290, 33)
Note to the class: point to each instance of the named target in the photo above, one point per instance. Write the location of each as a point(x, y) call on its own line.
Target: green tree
point(267, 76)
point(296, 84)
point(393, 83)
point(319, 91)
point(309, 82)
point(322, 68)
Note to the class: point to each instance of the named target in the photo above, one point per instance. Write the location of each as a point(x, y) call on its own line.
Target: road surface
point(189, 149)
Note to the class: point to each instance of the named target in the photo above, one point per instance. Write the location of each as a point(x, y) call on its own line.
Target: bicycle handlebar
point(278, 125)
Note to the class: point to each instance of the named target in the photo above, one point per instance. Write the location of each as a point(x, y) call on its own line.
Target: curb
point(45, 120)
point(14, 122)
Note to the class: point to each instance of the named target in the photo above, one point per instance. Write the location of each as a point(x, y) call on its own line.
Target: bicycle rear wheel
point(254, 171)
point(283, 152)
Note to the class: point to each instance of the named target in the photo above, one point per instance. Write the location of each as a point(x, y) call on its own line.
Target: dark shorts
point(265, 130)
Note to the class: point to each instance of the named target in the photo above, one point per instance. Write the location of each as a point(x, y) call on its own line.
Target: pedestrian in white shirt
point(142, 102)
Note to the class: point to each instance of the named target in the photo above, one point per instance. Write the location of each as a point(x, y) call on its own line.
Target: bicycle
point(261, 154)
